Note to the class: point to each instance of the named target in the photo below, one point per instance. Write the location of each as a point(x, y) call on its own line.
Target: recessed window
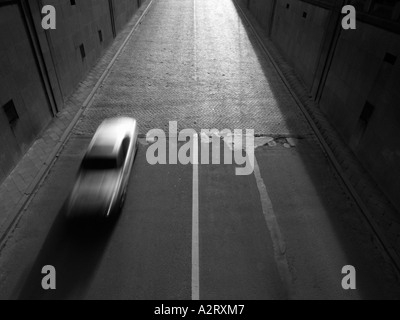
point(287, 6)
point(11, 112)
point(73, 2)
point(390, 58)
point(304, 14)
point(367, 112)
point(362, 124)
point(101, 36)
point(82, 49)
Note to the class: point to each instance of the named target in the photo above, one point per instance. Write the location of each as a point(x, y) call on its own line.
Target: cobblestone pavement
point(204, 73)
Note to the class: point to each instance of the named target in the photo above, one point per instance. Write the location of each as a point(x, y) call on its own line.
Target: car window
point(102, 157)
point(100, 163)
point(125, 148)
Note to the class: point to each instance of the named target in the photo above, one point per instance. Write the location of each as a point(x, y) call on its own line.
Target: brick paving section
point(177, 68)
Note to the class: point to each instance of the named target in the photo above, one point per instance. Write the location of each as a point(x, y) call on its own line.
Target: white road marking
point(276, 235)
point(195, 223)
point(195, 200)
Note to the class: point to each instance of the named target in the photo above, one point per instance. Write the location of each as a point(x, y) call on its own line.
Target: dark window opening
point(101, 36)
point(125, 148)
point(365, 117)
point(100, 163)
point(287, 6)
point(11, 112)
point(82, 49)
point(390, 58)
point(367, 112)
point(304, 15)
point(73, 2)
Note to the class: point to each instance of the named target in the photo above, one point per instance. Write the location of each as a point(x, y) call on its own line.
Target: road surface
point(201, 231)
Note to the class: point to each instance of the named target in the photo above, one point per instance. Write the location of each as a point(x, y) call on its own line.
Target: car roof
point(109, 136)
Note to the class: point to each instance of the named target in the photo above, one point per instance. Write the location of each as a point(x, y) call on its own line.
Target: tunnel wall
point(353, 75)
point(41, 69)
point(298, 31)
point(25, 109)
point(80, 25)
point(263, 11)
point(123, 11)
point(361, 98)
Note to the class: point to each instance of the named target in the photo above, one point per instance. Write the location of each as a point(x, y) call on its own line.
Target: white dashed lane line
point(195, 223)
point(276, 235)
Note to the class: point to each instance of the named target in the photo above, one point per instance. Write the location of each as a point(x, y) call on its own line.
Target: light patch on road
point(276, 235)
point(195, 40)
point(262, 141)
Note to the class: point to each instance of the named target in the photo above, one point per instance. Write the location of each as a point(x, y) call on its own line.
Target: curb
point(14, 217)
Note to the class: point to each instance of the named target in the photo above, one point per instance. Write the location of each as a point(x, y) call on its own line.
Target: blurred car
point(100, 189)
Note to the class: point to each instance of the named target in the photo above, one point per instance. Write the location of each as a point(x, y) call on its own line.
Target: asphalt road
point(186, 231)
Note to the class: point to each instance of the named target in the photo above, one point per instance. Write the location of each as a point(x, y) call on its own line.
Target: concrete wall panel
point(21, 83)
point(359, 74)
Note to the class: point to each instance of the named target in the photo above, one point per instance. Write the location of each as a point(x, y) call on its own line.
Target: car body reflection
point(100, 189)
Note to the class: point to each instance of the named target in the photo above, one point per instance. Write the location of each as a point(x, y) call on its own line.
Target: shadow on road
point(345, 220)
point(74, 249)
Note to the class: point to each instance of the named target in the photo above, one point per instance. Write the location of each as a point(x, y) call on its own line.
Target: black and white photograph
point(199, 156)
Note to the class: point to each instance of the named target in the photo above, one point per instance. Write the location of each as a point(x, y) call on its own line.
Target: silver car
point(100, 189)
